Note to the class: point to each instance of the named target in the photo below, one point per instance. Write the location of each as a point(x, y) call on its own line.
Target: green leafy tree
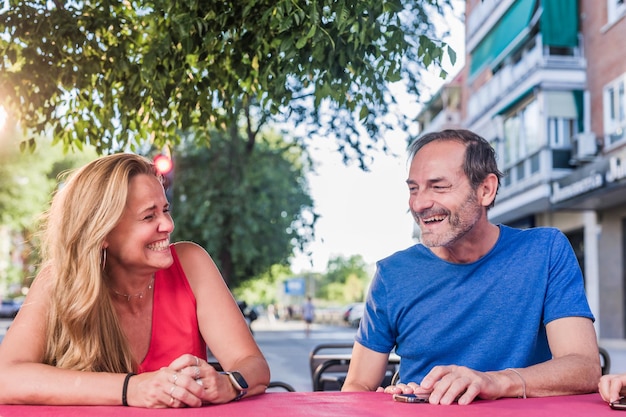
point(265, 289)
point(28, 179)
point(26, 186)
point(115, 74)
point(248, 209)
point(345, 280)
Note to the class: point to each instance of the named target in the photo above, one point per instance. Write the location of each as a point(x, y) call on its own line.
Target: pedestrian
point(271, 313)
point(476, 310)
point(120, 315)
point(308, 314)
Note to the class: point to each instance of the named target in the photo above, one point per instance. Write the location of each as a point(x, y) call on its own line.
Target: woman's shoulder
point(185, 249)
point(45, 278)
point(193, 257)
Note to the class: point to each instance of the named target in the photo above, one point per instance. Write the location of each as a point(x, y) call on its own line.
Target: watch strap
point(242, 390)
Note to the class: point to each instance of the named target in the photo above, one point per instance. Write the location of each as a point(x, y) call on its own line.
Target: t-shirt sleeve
point(375, 331)
point(565, 295)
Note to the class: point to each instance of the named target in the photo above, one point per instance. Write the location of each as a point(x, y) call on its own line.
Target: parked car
point(356, 312)
point(345, 315)
point(9, 308)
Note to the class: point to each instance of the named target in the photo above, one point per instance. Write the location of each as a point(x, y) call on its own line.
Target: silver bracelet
point(520, 377)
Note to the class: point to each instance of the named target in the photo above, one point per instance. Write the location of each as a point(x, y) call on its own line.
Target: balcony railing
point(539, 168)
point(510, 76)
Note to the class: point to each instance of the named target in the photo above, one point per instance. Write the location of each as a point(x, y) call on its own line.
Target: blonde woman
point(118, 314)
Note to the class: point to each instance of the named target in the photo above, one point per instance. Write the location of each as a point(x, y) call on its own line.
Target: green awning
point(559, 23)
point(512, 23)
point(515, 102)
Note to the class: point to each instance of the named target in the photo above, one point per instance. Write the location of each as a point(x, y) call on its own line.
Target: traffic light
point(163, 164)
point(164, 167)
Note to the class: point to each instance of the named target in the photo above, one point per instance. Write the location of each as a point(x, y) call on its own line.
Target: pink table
point(337, 404)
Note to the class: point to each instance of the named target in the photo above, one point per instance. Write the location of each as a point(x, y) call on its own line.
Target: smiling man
point(477, 310)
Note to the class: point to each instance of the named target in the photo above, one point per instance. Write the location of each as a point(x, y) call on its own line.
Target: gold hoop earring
point(104, 258)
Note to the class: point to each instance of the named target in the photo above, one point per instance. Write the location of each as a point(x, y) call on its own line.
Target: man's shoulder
point(539, 232)
point(536, 241)
point(411, 254)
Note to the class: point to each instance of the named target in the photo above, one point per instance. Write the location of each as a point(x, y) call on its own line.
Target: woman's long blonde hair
point(83, 331)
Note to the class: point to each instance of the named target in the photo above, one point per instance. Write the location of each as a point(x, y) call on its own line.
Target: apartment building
point(544, 82)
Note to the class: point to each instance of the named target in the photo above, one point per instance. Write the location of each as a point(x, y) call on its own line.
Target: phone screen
point(619, 404)
point(410, 398)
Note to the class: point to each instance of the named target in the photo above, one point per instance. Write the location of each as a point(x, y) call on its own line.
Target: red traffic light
point(163, 164)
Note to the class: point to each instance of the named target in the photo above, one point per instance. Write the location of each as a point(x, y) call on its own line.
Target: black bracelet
point(125, 388)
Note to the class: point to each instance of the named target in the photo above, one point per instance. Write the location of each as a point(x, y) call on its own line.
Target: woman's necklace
point(137, 295)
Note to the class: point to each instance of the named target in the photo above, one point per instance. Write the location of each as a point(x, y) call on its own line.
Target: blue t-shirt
point(487, 315)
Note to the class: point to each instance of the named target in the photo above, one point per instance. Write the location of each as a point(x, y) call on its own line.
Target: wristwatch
point(238, 382)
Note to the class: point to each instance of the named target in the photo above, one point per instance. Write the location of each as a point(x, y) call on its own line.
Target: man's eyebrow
point(429, 181)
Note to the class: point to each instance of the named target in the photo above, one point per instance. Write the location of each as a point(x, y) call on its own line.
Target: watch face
point(240, 380)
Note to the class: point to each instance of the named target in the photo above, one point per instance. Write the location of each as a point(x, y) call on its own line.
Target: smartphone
point(619, 404)
point(411, 398)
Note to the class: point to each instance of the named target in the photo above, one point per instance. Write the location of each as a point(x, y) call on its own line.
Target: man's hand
point(447, 384)
point(612, 387)
point(451, 383)
point(410, 388)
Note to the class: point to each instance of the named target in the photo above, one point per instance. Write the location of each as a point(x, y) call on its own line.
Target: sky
point(366, 213)
point(361, 213)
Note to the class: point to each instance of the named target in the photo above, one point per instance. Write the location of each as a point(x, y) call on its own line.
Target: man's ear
point(487, 190)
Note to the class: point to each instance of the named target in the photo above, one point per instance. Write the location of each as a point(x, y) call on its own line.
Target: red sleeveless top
point(174, 320)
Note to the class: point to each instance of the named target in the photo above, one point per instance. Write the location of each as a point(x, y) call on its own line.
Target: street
point(287, 348)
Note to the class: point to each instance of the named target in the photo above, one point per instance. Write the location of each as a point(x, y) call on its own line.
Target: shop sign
point(590, 178)
point(616, 171)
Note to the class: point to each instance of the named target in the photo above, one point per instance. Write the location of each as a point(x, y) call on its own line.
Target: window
point(531, 119)
point(523, 135)
point(615, 111)
point(506, 178)
point(562, 115)
point(561, 130)
point(535, 164)
point(615, 10)
point(511, 140)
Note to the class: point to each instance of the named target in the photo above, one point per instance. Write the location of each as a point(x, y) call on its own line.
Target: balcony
point(525, 188)
point(534, 66)
point(483, 16)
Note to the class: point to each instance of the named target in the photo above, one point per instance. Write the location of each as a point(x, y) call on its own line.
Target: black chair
point(216, 365)
point(395, 378)
point(273, 384)
point(281, 386)
point(329, 363)
point(605, 361)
